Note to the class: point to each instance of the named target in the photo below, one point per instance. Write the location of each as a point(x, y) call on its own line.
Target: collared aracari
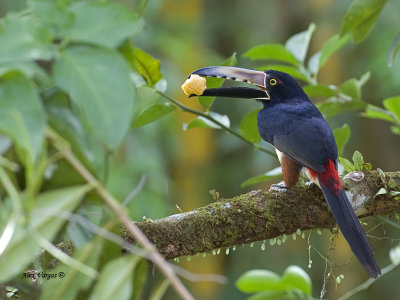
point(302, 139)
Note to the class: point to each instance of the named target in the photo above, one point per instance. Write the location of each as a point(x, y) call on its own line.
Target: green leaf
point(351, 88)
point(393, 105)
point(101, 23)
point(342, 136)
point(159, 290)
point(248, 127)
point(395, 129)
point(271, 52)
point(68, 287)
point(361, 17)
point(52, 12)
point(203, 122)
point(22, 115)
point(213, 82)
point(382, 191)
point(318, 91)
point(139, 279)
point(116, 279)
point(43, 219)
point(330, 47)
point(295, 277)
point(298, 43)
point(258, 281)
point(287, 69)
point(23, 40)
point(152, 113)
point(274, 295)
point(393, 49)
point(375, 112)
point(347, 165)
point(147, 66)
point(102, 93)
point(358, 160)
point(274, 173)
point(334, 106)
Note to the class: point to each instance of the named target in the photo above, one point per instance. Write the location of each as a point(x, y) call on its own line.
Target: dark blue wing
point(300, 132)
point(310, 143)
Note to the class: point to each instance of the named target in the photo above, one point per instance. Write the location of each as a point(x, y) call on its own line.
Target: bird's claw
point(279, 187)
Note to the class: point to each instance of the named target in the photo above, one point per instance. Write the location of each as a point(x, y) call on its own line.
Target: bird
point(302, 139)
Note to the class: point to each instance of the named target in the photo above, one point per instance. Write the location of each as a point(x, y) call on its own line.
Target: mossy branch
point(258, 215)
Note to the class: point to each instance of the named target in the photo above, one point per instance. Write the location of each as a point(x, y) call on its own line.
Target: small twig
point(135, 191)
point(208, 117)
point(115, 206)
point(367, 283)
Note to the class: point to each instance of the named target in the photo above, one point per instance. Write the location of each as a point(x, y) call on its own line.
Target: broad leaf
point(159, 290)
point(293, 281)
point(102, 93)
point(393, 105)
point(53, 12)
point(331, 46)
point(298, 43)
point(347, 165)
point(101, 23)
point(296, 278)
point(358, 160)
point(147, 66)
point(22, 115)
point(318, 91)
point(116, 279)
point(259, 280)
point(361, 17)
point(248, 127)
point(152, 114)
point(139, 279)
point(271, 52)
point(319, 59)
point(274, 173)
point(342, 136)
point(213, 82)
point(22, 248)
point(334, 106)
point(24, 40)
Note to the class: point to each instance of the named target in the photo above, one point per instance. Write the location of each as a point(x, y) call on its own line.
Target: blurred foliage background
point(178, 168)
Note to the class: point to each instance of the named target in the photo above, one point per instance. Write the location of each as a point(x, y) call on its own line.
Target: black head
point(281, 86)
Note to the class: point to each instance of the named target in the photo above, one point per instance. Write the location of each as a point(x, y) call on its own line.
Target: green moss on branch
point(257, 215)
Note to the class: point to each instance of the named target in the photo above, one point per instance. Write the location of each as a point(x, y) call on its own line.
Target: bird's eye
point(272, 81)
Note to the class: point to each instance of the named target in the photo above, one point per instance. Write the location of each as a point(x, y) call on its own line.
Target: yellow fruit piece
point(194, 85)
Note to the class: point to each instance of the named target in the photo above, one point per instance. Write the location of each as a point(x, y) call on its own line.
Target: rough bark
point(258, 215)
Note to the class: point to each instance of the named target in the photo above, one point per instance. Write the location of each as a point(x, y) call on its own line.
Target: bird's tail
point(347, 221)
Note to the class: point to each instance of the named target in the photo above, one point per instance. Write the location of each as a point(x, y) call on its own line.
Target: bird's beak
point(256, 78)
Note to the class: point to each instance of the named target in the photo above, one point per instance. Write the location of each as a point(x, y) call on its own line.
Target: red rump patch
point(330, 178)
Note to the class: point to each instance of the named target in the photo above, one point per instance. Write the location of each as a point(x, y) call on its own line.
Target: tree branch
point(258, 216)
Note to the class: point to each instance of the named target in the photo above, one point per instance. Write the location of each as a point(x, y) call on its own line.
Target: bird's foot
point(279, 187)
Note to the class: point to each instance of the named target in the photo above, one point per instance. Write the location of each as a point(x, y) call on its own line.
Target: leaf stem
point(208, 117)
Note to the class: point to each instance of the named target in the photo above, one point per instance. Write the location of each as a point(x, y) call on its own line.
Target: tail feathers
point(351, 229)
